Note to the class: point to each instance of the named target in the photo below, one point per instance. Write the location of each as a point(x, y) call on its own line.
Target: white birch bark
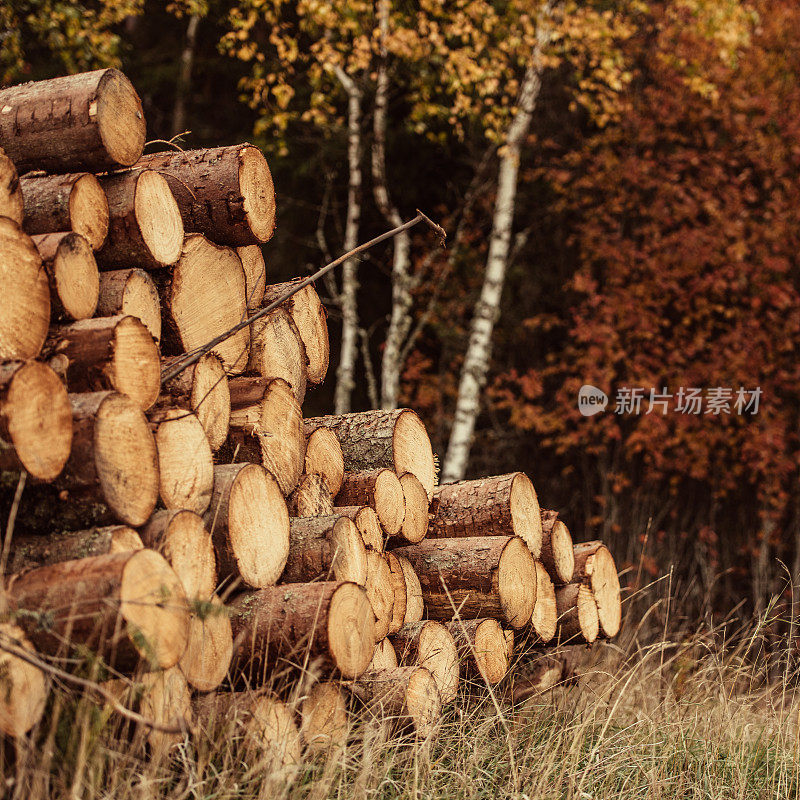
point(487, 309)
point(185, 76)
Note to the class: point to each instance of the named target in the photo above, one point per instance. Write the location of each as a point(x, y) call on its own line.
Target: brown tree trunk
point(431, 645)
point(277, 351)
point(577, 613)
point(595, 565)
point(255, 275)
point(557, 554)
point(225, 193)
point(130, 608)
point(11, 197)
point(311, 498)
point(23, 699)
point(331, 620)
point(323, 718)
point(368, 525)
point(381, 490)
point(324, 456)
point(131, 292)
point(395, 440)
point(207, 658)
point(73, 202)
point(482, 647)
point(488, 576)
point(92, 121)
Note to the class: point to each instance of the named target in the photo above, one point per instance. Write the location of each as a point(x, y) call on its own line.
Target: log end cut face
point(587, 614)
point(39, 419)
point(562, 552)
point(351, 630)
point(412, 450)
point(516, 582)
point(22, 686)
point(126, 459)
point(492, 653)
point(11, 201)
point(88, 210)
point(140, 299)
point(208, 654)
point(274, 734)
point(324, 457)
point(389, 501)
point(312, 324)
point(526, 516)
point(415, 605)
point(154, 606)
point(76, 278)
point(187, 545)
point(604, 582)
point(158, 217)
point(323, 717)
point(380, 592)
point(166, 699)
point(258, 192)
point(423, 701)
point(136, 367)
point(120, 119)
point(544, 620)
point(385, 656)
point(437, 652)
point(211, 399)
point(349, 553)
point(415, 504)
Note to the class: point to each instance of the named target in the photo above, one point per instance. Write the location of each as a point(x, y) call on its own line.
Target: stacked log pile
point(197, 534)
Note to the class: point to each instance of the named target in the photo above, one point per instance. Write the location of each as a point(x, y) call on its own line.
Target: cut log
point(277, 351)
point(327, 548)
point(381, 490)
point(127, 607)
point(311, 320)
point(544, 620)
point(311, 498)
point(71, 272)
point(185, 461)
point(144, 224)
point(203, 388)
point(207, 658)
point(24, 694)
point(225, 193)
point(415, 503)
point(430, 645)
point(255, 275)
point(182, 538)
point(25, 311)
point(330, 620)
point(558, 556)
point(385, 656)
point(399, 593)
point(91, 121)
point(11, 197)
point(323, 718)
point(485, 576)
point(324, 457)
point(547, 672)
point(113, 458)
point(133, 293)
point(114, 353)
point(31, 552)
point(482, 647)
point(577, 613)
point(249, 524)
point(404, 695)
point(395, 440)
point(368, 525)
point(415, 605)
point(35, 420)
point(74, 202)
point(271, 432)
point(505, 505)
point(595, 564)
point(166, 700)
point(380, 592)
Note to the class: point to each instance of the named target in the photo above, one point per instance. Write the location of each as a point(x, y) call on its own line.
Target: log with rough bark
point(403, 695)
point(330, 620)
point(323, 717)
point(486, 576)
point(249, 524)
point(25, 303)
point(204, 298)
point(311, 320)
point(207, 657)
point(255, 274)
point(577, 613)
point(431, 645)
point(399, 593)
point(368, 525)
point(24, 694)
point(385, 656)
point(504, 505)
point(595, 565)
point(113, 353)
point(324, 456)
point(91, 121)
point(380, 591)
point(72, 274)
point(415, 503)
point(129, 608)
point(395, 440)
point(30, 552)
point(144, 225)
point(415, 605)
point(381, 490)
point(558, 556)
point(185, 460)
point(11, 197)
point(131, 292)
point(311, 498)
point(203, 388)
point(327, 548)
point(35, 419)
point(544, 620)
point(166, 700)
point(482, 647)
point(225, 193)
point(183, 539)
point(74, 202)
point(277, 351)
point(271, 433)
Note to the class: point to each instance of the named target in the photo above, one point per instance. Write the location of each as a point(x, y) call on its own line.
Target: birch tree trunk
point(487, 309)
point(348, 297)
point(185, 76)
